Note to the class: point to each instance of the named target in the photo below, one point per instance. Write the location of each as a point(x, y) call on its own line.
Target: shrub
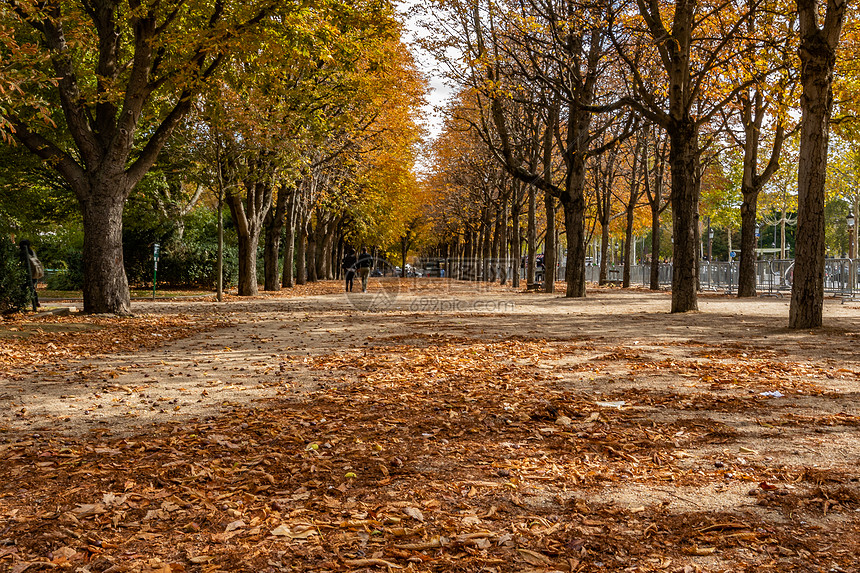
point(71, 276)
point(14, 292)
point(195, 265)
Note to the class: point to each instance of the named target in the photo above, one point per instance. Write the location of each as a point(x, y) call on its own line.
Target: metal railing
point(773, 277)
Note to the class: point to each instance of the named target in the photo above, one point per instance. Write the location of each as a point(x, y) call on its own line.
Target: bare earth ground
point(451, 427)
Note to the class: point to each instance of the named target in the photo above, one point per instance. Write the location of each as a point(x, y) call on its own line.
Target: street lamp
point(851, 250)
point(710, 242)
point(758, 239)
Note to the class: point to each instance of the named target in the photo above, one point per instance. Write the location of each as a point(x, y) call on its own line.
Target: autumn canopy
point(574, 132)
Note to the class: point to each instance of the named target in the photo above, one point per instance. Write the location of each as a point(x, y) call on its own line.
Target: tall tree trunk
point(504, 253)
point(655, 198)
point(248, 216)
point(274, 224)
point(248, 264)
point(638, 158)
point(746, 268)
point(557, 251)
point(628, 243)
point(604, 249)
point(105, 281)
point(494, 247)
point(531, 237)
point(549, 253)
point(289, 278)
point(818, 57)
point(337, 257)
point(487, 230)
point(468, 256)
point(319, 258)
point(573, 203)
point(324, 234)
point(302, 255)
point(516, 239)
point(311, 255)
point(684, 161)
point(753, 113)
point(654, 278)
point(404, 251)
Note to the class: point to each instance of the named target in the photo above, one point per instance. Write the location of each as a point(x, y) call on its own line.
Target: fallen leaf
point(296, 531)
point(701, 551)
point(371, 563)
point(62, 555)
point(89, 509)
point(534, 558)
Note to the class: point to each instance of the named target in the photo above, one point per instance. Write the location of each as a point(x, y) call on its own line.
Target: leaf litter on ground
point(432, 453)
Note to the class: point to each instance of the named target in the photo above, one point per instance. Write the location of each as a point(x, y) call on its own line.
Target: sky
point(439, 91)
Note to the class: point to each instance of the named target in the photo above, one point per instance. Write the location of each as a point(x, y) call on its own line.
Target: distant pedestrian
point(34, 267)
point(364, 263)
point(349, 262)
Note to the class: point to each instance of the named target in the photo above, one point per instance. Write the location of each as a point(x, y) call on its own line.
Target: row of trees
point(299, 118)
point(578, 99)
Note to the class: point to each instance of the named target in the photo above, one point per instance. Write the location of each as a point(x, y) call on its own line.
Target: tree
point(295, 112)
point(125, 74)
point(818, 42)
point(637, 161)
point(558, 51)
point(760, 119)
point(605, 172)
point(653, 182)
point(690, 48)
point(249, 129)
point(465, 184)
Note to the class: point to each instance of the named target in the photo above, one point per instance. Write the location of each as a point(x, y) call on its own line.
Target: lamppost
point(710, 243)
point(758, 238)
point(852, 252)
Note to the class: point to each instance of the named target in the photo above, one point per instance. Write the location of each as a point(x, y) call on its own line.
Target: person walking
point(364, 263)
point(35, 270)
point(349, 262)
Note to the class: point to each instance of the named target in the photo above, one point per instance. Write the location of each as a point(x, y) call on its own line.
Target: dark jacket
point(364, 261)
point(349, 261)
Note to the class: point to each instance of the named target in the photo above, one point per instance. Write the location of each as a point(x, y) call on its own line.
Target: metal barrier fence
point(773, 277)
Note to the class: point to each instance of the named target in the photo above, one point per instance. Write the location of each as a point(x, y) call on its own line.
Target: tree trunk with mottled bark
point(248, 214)
point(818, 58)
point(684, 161)
point(288, 279)
point(274, 224)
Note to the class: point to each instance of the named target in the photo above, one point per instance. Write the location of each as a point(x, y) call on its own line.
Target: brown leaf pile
point(421, 453)
point(50, 339)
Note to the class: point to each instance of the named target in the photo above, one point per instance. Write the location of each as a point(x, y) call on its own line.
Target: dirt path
point(723, 412)
point(262, 353)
